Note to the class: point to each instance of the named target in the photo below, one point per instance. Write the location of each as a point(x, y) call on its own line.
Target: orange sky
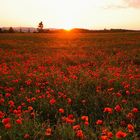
point(93, 14)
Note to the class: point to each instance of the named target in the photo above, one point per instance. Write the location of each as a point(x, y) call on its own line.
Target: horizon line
point(70, 28)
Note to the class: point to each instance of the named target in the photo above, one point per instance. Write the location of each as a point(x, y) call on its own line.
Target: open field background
point(69, 86)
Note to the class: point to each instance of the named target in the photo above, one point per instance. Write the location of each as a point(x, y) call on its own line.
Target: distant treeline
point(75, 30)
point(10, 30)
point(16, 30)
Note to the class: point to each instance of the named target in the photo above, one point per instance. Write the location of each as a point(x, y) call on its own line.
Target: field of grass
point(69, 86)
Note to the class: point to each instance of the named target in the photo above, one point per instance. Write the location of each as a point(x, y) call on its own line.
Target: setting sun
point(68, 24)
point(67, 14)
point(68, 29)
point(69, 69)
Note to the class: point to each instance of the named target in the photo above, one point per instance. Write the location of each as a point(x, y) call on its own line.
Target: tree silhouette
point(11, 30)
point(0, 30)
point(20, 30)
point(29, 30)
point(40, 27)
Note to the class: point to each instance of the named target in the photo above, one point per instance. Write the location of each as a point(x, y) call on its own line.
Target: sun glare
point(68, 25)
point(67, 30)
point(68, 14)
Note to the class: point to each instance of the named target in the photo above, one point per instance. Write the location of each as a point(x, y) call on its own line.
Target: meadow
point(70, 86)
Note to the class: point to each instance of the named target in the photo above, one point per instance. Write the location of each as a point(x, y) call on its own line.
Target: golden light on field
point(67, 14)
point(67, 29)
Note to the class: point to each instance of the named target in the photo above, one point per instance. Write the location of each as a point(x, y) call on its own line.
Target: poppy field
point(70, 86)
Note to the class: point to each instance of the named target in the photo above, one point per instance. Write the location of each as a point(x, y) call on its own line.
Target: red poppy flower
point(120, 134)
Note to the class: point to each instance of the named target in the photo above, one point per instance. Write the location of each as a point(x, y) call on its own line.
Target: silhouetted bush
point(11, 30)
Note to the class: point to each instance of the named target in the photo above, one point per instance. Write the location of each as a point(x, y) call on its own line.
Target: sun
point(68, 25)
point(68, 29)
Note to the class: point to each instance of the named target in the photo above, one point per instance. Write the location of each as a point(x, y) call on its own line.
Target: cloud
point(115, 7)
point(124, 4)
point(133, 3)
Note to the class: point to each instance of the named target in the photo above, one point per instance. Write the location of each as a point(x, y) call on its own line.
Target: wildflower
point(23, 104)
point(76, 127)
point(69, 100)
point(2, 101)
point(11, 103)
point(61, 110)
point(123, 123)
point(98, 89)
point(60, 94)
point(18, 111)
point(26, 136)
point(80, 134)
point(104, 138)
point(118, 94)
point(99, 122)
point(110, 89)
point(28, 82)
point(74, 77)
point(109, 134)
point(7, 126)
point(84, 118)
point(1, 114)
point(70, 116)
point(30, 108)
point(22, 89)
point(118, 108)
point(127, 92)
point(52, 101)
point(7, 95)
point(33, 114)
point(130, 115)
point(130, 128)
point(120, 134)
point(19, 121)
point(68, 120)
point(86, 123)
point(48, 132)
point(124, 101)
point(37, 91)
point(135, 110)
point(108, 109)
point(104, 131)
point(19, 107)
point(33, 99)
point(6, 120)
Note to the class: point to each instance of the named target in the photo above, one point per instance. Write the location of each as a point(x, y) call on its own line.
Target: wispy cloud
point(113, 6)
point(124, 4)
point(133, 3)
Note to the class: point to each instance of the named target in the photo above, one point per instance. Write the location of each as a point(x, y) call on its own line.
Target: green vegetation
point(70, 86)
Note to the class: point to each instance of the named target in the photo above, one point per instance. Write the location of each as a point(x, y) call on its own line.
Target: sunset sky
point(92, 14)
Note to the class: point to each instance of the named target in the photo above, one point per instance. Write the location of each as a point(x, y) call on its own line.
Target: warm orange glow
point(68, 14)
point(68, 29)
